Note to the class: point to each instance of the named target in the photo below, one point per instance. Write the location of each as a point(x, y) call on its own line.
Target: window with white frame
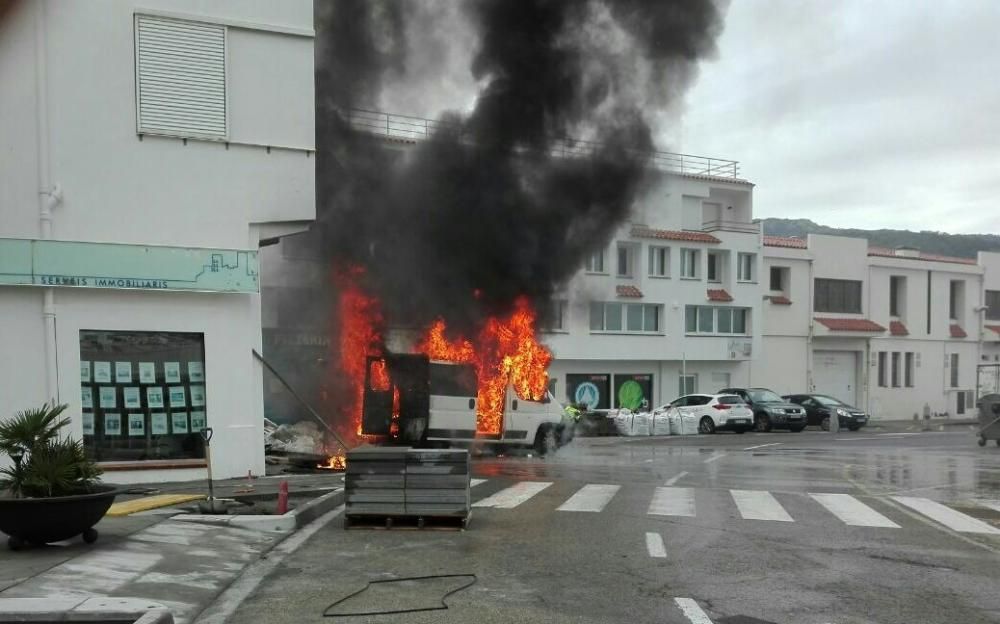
point(690, 259)
point(557, 320)
point(908, 370)
point(687, 384)
point(894, 358)
point(180, 74)
point(722, 320)
point(779, 279)
point(612, 316)
point(595, 262)
point(625, 260)
point(954, 369)
point(993, 305)
point(714, 272)
point(883, 370)
point(659, 261)
point(745, 267)
point(836, 295)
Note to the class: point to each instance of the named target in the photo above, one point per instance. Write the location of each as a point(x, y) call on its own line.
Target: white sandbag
point(623, 422)
point(661, 424)
point(674, 418)
point(641, 424)
point(689, 424)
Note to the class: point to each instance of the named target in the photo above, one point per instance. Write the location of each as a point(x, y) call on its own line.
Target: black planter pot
point(44, 520)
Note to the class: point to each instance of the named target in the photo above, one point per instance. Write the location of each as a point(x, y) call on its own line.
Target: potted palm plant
point(52, 490)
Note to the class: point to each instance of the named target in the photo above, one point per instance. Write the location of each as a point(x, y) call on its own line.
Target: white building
point(896, 332)
point(147, 149)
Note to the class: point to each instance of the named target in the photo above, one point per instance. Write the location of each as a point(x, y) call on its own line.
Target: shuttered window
point(180, 77)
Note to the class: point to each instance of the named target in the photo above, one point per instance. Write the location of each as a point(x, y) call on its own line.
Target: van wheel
point(545, 440)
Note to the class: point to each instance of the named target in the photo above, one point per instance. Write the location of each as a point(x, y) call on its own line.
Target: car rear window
point(731, 400)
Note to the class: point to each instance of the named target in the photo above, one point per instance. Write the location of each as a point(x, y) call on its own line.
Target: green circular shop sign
point(630, 395)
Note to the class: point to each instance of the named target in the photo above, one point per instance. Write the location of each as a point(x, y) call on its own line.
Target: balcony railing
point(411, 128)
point(730, 226)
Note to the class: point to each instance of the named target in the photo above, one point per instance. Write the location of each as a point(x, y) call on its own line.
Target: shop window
point(143, 395)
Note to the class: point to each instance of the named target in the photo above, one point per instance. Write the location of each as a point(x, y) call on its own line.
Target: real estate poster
point(123, 372)
point(172, 372)
point(102, 372)
point(137, 424)
point(197, 421)
point(88, 423)
point(154, 397)
point(87, 397)
point(108, 397)
point(179, 421)
point(132, 398)
point(196, 371)
point(112, 424)
point(178, 397)
point(197, 396)
point(147, 372)
point(158, 423)
point(85, 372)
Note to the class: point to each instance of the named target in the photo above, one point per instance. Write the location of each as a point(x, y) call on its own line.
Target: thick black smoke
point(489, 209)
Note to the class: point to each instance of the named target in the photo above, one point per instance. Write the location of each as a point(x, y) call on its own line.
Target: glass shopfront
point(144, 395)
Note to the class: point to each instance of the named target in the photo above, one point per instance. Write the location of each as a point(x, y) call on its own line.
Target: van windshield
point(453, 380)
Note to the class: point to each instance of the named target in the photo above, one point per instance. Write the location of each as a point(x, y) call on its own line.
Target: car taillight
point(721, 406)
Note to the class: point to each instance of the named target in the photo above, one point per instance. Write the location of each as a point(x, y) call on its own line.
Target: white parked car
point(715, 412)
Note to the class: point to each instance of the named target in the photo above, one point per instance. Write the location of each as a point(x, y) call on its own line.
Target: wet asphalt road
point(709, 553)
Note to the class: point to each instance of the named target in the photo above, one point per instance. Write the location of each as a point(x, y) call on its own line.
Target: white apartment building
point(673, 305)
point(896, 332)
point(146, 148)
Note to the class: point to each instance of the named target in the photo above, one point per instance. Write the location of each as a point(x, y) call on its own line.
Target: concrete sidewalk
point(149, 555)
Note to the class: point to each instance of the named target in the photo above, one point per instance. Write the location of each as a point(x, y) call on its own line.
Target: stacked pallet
point(399, 483)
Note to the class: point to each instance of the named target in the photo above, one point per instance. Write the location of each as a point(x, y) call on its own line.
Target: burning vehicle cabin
point(411, 400)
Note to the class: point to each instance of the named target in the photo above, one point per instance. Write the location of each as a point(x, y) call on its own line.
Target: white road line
point(475, 482)
point(714, 457)
point(672, 501)
point(852, 511)
point(674, 479)
point(994, 505)
point(750, 448)
point(759, 505)
point(655, 547)
point(692, 611)
point(591, 497)
point(514, 495)
point(947, 516)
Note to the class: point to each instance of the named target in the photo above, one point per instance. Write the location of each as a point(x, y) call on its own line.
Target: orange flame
point(334, 462)
point(360, 335)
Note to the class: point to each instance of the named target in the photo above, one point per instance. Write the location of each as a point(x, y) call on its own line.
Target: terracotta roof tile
point(896, 328)
point(850, 324)
point(628, 291)
point(884, 252)
point(780, 300)
point(993, 328)
point(693, 237)
point(957, 331)
point(785, 241)
point(718, 294)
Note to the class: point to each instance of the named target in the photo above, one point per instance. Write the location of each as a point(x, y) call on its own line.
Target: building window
point(143, 395)
point(714, 267)
point(624, 317)
point(993, 305)
point(690, 259)
point(595, 262)
point(895, 369)
point(180, 72)
point(687, 384)
point(908, 370)
point(956, 296)
point(954, 370)
point(745, 266)
point(834, 295)
point(624, 268)
point(779, 279)
point(716, 320)
point(897, 295)
point(883, 380)
point(659, 262)
point(557, 322)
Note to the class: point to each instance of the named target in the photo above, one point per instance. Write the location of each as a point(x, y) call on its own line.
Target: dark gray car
point(770, 411)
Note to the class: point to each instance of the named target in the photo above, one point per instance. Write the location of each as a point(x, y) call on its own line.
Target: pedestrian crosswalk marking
point(692, 611)
point(852, 511)
point(759, 505)
point(954, 520)
point(591, 497)
point(655, 547)
point(514, 495)
point(672, 501)
point(475, 482)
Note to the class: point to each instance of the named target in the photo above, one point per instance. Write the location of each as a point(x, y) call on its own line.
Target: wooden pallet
point(406, 522)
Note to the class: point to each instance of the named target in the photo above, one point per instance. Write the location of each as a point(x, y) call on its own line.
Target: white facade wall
point(120, 187)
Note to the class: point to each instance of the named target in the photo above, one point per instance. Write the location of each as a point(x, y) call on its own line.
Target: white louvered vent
point(180, 78)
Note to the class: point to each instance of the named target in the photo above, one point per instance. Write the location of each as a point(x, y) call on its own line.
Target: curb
point(294, 519)
point(79, 609)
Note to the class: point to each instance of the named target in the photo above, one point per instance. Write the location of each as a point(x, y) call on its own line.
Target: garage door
point(836, 373)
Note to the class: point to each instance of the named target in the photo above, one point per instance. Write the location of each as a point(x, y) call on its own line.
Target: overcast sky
point(857, 113)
